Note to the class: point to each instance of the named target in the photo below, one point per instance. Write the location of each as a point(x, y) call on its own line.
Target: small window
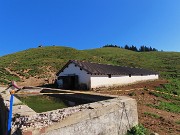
point(109, 75)
point(129, 75)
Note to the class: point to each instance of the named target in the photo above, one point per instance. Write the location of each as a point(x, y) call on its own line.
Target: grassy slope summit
point(166, 63)
point(45, 61)
point(38, 61)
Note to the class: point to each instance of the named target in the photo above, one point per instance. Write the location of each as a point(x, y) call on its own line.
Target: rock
point(154, 134)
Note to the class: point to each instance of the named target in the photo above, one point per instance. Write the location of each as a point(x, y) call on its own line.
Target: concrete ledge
point(105, 115)
point(113, 116)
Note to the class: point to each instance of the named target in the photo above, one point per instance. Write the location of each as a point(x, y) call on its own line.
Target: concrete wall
point(72, 69)
point(109, 117)
point(105, 81)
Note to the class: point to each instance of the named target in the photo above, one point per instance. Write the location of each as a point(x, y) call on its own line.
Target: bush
point(132, 94)
point(138, 130)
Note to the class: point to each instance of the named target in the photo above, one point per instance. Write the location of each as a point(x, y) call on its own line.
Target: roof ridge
point(105, 64)
point(101, 68)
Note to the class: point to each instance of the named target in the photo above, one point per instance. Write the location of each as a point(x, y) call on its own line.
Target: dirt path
point(165, 123)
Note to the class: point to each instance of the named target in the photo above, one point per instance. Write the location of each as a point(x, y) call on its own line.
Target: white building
point(86, 75)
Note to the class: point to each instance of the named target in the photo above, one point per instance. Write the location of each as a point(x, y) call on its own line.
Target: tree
point(110, 45)
point(134, 48)
point(150, 49)
point(126, 47)
point(142, 49)
point(154, 49)
point(146, 49)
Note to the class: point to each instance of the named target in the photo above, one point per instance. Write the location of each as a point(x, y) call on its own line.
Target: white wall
point(93, 81)
point(104, 80)
point(83, 76)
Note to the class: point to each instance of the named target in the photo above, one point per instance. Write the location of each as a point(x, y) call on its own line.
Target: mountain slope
point(40, 61)
point(155, 110)
point(166, 63)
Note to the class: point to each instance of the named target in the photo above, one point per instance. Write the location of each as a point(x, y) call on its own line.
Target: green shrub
point(138, 130)
point(132, 94)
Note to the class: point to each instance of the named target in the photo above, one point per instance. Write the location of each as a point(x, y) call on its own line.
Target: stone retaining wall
point(105, 115)
point(108, 117)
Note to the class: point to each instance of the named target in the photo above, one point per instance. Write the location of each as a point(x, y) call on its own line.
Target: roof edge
point(71, 61)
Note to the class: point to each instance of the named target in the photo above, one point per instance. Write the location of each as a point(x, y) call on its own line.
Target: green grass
point(34, 62)
point(177, 122)
point(167, 106)
point(165, 96)
point(166, 63)
point(173, 87)
point(152, 115)
point(37, 59)
point(43, 103)
point(138, 130)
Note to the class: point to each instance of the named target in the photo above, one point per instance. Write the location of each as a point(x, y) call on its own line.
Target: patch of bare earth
point(13, 73)
point(165, 124)
point(32, 81)
point(36, 80)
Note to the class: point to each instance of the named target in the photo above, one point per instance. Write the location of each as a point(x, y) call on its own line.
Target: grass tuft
point(167, 106)
point(152, 115)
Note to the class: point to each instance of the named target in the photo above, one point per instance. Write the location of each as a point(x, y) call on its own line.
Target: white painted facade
point(105, 81)
point(84, 78)
point(95, 81)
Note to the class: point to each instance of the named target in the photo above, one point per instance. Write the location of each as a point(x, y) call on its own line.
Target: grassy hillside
point(36, 62)
point(166, 63)
point(45, 61)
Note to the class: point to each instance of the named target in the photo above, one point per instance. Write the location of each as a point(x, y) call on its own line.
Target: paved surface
point(18, 106)
point(23, 110)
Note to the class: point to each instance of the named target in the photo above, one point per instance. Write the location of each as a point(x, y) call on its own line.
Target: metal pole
point(10, 114)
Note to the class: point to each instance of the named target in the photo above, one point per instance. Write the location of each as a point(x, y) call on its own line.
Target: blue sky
point(86, 24)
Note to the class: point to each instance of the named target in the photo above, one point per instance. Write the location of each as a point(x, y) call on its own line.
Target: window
point(109, 75)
